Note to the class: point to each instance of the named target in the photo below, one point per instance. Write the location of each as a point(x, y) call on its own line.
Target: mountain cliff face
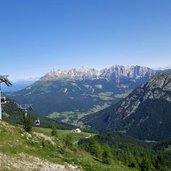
point(82, 73)
point(159, 87)
point(115, 72)
point(145, 113)
point(70, 94)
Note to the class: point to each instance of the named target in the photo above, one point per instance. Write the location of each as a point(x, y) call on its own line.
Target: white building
point(77, 130)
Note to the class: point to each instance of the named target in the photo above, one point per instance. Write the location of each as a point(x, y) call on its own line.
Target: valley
point(109, 116)
point(85, 85)
point(144, 113)
point(69, 95)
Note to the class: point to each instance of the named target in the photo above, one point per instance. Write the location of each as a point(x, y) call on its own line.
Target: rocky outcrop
point(119, 71)
point(27, 162)
point(157, 88)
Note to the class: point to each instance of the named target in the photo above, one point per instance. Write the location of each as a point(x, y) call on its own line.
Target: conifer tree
point(106, 155)
point(27, 123)
point(54, 131)
point(145, 164)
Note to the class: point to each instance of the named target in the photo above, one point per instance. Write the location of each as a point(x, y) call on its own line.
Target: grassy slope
point(14, 141)
point(15, 116)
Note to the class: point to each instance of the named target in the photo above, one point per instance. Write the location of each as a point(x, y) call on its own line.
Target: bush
point(27, 123)
point(54, 131)
point(106, 155)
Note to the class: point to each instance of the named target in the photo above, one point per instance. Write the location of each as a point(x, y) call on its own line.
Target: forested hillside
point(144, 156)
point(144, 113)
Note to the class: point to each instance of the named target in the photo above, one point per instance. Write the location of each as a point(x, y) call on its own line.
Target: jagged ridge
point(82, 91)
point(144, 113)
point(114, 72)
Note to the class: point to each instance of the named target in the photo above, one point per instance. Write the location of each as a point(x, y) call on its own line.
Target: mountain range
point(145, 113)
point(68, 95)
point(114, 73)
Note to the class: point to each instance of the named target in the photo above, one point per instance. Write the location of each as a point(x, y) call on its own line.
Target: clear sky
point(39, 35)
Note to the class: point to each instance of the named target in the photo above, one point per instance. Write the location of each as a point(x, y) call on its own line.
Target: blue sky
point(39, 35)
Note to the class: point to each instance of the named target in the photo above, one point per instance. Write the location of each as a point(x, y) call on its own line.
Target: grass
point(73, 117)
point(14, 140)
point(120, 96)
point(53, 115)
point(76, 136)
point(168, 149)
point(105, 98)
point(108, 93)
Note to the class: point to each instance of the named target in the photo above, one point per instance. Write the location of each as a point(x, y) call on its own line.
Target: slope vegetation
point(151, 156)
point(12, 114)
point(39, 150)
point(144, 113)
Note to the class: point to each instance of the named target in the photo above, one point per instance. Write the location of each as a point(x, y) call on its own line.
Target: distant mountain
point(145, 113)
point(82, 73)
point(68, 95)
point(17, 85)
point(115, 73)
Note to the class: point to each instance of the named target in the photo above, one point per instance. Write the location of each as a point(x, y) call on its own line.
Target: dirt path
point(28, 163)
point(88, 136)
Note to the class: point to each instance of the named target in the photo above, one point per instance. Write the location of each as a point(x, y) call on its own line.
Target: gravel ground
point(28, 163)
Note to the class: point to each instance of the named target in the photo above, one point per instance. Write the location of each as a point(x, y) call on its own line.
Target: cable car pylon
point(3, 79)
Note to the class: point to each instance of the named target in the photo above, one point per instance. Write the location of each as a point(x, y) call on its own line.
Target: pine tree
point(27, 123)
point(131, 161)
point(54, 131)
point(95, 148)
point(106, 155)
point(68, 141)
point(145, 164)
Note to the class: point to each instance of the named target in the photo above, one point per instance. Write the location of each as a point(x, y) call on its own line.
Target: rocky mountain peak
point(115, 72)
point(156, 88)
point(161, 80)
point(82, 73)
point(129, 71)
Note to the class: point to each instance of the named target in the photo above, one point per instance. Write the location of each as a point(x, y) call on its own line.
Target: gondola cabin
point(37, 122)
point(3, 100)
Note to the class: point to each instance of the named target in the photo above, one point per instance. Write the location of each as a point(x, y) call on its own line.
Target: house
point(77, 130)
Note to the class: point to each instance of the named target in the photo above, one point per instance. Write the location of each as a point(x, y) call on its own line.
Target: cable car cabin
point(37, 122)
point(3, 100)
